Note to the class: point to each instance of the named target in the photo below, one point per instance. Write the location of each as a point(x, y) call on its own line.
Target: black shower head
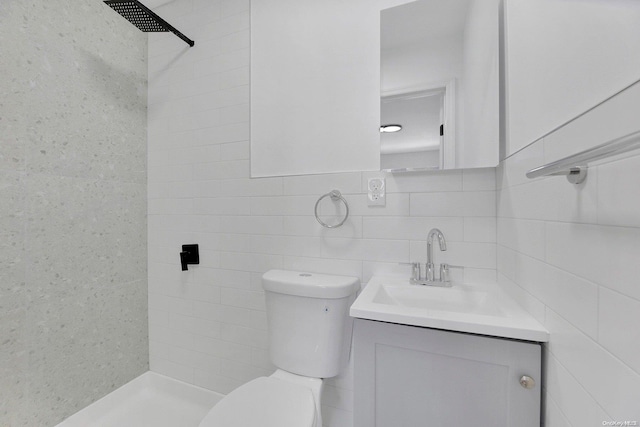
point(144, 18)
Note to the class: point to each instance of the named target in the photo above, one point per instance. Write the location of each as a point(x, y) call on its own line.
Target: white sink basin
point(479, 309)
point(440, 299)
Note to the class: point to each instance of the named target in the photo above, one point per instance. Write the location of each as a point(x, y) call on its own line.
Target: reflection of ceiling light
point(390, 128)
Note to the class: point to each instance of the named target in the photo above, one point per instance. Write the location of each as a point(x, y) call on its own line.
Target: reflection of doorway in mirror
point(425, 140)
point(428, 41)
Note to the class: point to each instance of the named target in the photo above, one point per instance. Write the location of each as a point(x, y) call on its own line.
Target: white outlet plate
point(376, 194)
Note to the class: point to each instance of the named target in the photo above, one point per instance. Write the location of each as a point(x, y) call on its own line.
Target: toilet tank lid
point(311, 285)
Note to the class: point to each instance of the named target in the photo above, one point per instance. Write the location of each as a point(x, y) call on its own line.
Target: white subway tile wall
point(569, 254)
point(208, 325)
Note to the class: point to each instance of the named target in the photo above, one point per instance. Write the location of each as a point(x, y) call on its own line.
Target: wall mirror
point(439, 105)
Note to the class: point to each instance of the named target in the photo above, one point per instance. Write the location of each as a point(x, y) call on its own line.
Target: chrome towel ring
point(335, 196)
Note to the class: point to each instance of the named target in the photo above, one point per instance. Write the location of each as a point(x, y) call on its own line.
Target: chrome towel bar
point(575, 166)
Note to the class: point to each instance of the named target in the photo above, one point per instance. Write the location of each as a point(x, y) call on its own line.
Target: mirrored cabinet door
point(439, 59)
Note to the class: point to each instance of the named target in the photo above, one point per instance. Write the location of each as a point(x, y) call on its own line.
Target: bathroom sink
point(474, 308)
point(436, 298)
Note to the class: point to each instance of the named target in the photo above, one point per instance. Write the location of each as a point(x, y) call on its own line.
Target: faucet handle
point(453, 266)
point(415, 270)
point(445, 270)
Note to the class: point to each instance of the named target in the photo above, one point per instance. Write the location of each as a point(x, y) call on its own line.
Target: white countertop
point(479, 309)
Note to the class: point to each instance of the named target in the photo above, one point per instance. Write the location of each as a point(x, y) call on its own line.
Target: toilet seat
point(266, 402)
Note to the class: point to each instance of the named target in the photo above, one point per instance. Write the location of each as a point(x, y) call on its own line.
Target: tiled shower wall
point(208, 325)
point(569, 254)
point(73, 276)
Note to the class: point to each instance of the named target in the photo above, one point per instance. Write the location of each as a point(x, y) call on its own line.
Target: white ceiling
point(422, 20)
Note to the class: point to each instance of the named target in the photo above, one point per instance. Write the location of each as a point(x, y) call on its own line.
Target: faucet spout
point(443, 244)
point(443, 247)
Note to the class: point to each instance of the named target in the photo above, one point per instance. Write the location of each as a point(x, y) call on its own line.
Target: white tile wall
point(570, 254)
point(208, 325)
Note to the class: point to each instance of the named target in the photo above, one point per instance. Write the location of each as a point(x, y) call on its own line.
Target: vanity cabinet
point(408, 376)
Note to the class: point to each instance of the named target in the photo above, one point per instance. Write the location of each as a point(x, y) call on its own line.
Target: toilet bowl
point(273, 401)
point(309, 337)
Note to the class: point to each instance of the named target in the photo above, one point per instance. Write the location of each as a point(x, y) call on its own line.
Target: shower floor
point(151, 400)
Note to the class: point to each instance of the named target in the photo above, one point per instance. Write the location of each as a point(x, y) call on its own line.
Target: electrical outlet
point(376, 193)
point(376, 184)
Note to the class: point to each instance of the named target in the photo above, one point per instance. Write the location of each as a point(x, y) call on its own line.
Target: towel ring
point(335, 196)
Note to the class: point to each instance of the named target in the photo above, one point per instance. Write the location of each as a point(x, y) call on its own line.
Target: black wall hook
point(189, 255)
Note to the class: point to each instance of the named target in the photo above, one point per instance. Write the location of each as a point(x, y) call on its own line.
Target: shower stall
point(73, 207)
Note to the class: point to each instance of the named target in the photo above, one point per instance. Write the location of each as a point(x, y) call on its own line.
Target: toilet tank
point(309, 323)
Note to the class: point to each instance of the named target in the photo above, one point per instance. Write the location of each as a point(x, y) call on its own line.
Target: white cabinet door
point(563, 58)
point(409, 376)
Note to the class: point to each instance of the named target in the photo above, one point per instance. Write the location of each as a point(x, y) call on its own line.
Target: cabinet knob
point(527, 382)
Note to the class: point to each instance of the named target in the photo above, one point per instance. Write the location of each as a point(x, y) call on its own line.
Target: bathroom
point(118, 147)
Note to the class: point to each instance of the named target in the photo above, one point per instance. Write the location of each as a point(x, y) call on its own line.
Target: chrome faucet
point(429, 277)
point(429, 274)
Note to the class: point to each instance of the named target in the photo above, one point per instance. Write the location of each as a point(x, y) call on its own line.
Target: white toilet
point(310, 339)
